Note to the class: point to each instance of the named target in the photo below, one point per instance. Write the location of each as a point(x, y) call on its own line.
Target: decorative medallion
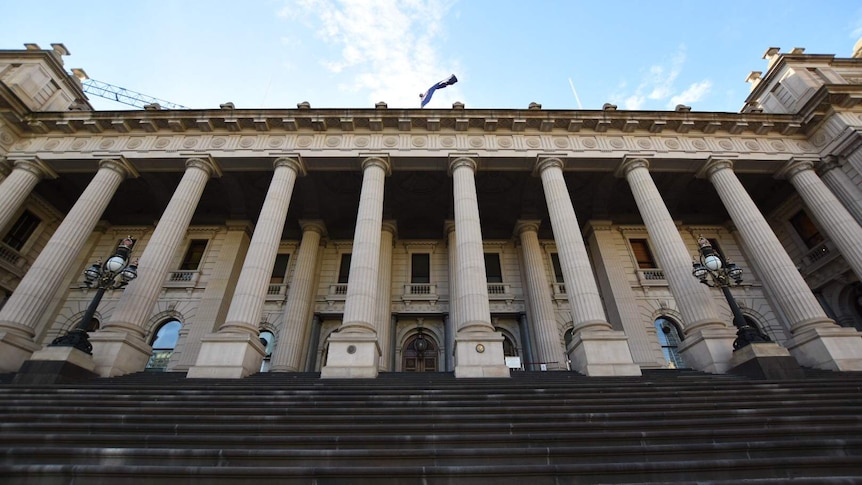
point(779, 146)
point(106, 144)
point(304, 141)
point(78, 144)
point(5, 137)
point(390, 141)
point(504, 141)
point(22, 144)
point(672, 144)
point(752, 145)
point(246, 141)
point(162, 142)
point(819, 139)
point(218, 142)
point(276, 141)
point(617, 142)
point(480, 348)
point(360, 141)
point(561, 142)
point(190, 142)
point(134, 143)
point(333, 141)
point(533, 142)
point(447, 141)
point(52, 144)
point(726, 144)
point(589, 142)
point(477, 141)
point(699, 144)
point(644, 143)
point(419, 141)
point(804, 145)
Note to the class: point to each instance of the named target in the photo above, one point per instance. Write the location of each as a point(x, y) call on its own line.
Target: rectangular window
point(558, 269)
point(804, 226)
point(21, 230)
point(420, 268)
point(643, 255)
point(344, 269)
point(194, 254)
point(279, 269)
point(493, 271)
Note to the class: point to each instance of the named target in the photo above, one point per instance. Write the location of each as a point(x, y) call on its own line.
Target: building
point(357, 241)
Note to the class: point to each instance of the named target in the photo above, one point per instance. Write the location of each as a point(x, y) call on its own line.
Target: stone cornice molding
point(239, 225)
point(430, 246)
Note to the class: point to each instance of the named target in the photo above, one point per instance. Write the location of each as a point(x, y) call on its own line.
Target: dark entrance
point(419, 354)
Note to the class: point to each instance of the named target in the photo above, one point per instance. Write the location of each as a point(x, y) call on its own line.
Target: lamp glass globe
point(712, 262)
point(115, 264)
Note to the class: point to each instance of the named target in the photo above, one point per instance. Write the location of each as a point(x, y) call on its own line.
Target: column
point(354, 350)
point(15, 188)
point(478, 347)
point(293, 336)
point(384, 296)
point(23, 311)
point(235, 350)
point(452, 319)
point(313, 343)
point(835, 220)
point(596, 349)
point(548, 347)
point(816, 340)
point(119, 347)
point(840, 184)
point(708, 343)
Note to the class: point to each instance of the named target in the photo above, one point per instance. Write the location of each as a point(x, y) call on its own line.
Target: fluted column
point(22, 313)
point(708, 341)
point(453, 320)
point(840, 184)
point(15, 188)
point(354, 350)
point(293, 336)
point(235, 351)
point(544, 322)
point(384, 296)
point(595, 349)
point(478, 347)
point(119, 347)
point(817, 341)
point(835, 220)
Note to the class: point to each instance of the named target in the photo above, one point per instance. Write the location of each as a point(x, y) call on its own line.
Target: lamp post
point(723, 273)
point(104, 277)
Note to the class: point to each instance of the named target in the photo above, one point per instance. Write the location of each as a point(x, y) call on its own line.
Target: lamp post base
point(56, 365)
point(765, 361)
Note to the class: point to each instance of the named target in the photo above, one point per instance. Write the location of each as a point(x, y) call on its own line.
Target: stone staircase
point(536, 428)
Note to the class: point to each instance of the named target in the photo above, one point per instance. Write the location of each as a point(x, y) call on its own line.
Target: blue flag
point(426, 96)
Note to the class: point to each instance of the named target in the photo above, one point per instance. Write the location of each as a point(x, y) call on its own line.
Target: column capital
point(390, 226)
point(448, 227)
point(712, 165)
point(376, 160)
point(313, 225)
point(463, 160)
point(828, 163)
point(119, 165)
point(794, 167)
point(630, 163)
point(4, 167)
point(544, 162)
point(527, 225)
point(293, 162)
point(33, 165)
point(205, 163)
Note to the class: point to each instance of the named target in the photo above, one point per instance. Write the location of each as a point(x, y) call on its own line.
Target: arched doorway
point(163, 345)
point(669, 338)
point(420, 354)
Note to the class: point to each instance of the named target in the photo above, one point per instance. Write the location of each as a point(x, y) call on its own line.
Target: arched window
point(163, 345)
point(509, 349)
point(669, 339)
point(268, 340)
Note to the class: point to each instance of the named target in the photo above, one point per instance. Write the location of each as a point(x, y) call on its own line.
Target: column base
point(228, 356)
point(709, 349)
point(352, 355)
point(56, 365)
point(830, 348)
point(765, 361)
point(15, 350)
point(602, 353)
point(119, 353)
point(480, 354)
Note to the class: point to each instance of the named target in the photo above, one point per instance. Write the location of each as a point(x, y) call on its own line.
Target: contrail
point(575, 93)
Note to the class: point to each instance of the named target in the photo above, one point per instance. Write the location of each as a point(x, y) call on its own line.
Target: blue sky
point(648, 55)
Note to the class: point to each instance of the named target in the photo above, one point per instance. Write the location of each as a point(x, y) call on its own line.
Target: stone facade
point(368, 240)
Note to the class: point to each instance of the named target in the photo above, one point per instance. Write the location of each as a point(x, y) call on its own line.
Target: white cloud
point(657, 85)
point(387, 48)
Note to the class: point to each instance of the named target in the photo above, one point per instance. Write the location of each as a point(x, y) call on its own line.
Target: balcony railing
point(818, 256)
point(337, 292)
point(419, 292)
point(183, 279)
point(12, 259)
point(651, 277)
point(500, 291)
point(276, 291)
point(559, 290)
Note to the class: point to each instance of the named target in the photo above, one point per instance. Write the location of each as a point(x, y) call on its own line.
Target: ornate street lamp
point(116, 272)
point(723, 273)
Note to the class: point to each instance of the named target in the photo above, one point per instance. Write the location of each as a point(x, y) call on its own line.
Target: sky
point(563, 54)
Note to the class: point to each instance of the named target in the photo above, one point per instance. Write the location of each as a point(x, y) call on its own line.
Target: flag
point(426, 96)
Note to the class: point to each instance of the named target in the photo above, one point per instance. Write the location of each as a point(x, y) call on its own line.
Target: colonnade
point(356, 348)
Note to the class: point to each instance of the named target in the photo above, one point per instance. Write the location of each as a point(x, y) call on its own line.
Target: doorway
point(419, 354)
